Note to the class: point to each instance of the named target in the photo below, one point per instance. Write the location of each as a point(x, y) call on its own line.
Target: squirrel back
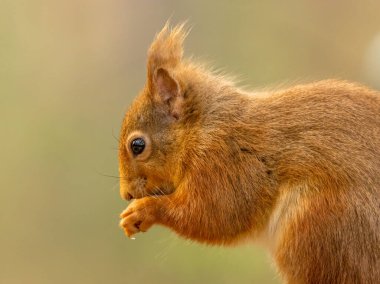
point(299, 167)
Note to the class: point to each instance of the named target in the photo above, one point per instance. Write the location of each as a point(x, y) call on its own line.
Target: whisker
point(110, 176)
point(163, 194)
point(116, 138)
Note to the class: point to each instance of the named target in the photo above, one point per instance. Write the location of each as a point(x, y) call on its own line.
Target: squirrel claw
point(130, 228)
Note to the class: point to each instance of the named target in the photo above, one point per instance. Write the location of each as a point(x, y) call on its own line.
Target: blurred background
point(68, 71)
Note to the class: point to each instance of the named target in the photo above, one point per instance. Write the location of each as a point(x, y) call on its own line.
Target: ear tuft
point(166, 50)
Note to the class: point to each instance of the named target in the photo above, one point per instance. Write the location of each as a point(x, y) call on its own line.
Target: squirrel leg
point(166, 210)
point(190, 215)
point(142, 213)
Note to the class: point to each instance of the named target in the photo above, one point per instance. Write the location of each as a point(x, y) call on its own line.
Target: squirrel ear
point(165, 51)
point(167, 91)
point(166, 86)
point(164, 58)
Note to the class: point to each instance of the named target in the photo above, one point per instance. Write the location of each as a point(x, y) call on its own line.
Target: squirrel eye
point(137, 146)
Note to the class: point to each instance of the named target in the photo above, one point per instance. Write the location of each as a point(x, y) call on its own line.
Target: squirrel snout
point(124, 194)
point(127, 196)
point(134, 188)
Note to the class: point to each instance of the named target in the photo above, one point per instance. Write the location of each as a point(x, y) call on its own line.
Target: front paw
point(139, 216)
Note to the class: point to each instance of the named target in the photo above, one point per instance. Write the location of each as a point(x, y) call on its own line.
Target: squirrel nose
point(129, 196)
point(124, 190)
point(126, 196)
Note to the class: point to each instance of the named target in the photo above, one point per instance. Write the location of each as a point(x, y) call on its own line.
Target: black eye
point(137, 146)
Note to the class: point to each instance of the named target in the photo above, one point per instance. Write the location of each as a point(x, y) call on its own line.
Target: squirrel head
point(184, 132)
point(152, 129)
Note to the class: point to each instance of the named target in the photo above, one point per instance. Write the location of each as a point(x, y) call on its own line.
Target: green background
point(68, 71)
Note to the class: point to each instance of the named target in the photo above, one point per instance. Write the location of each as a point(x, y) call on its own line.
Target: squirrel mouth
point(156, 193)
point(129, 196)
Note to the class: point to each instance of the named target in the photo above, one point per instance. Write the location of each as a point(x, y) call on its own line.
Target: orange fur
point(299, 167)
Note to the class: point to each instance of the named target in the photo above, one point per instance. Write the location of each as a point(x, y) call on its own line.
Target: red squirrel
point(296, 167)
